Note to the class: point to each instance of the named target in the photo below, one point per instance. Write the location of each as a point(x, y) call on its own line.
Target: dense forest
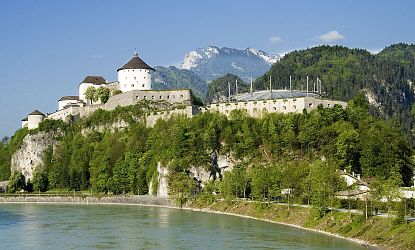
point(275, 152)
point(385, 78)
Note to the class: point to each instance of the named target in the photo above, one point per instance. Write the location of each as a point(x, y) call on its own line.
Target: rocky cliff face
point(220, 164)
point(30, 154)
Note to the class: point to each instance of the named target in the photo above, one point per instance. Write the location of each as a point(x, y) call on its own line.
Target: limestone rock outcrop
point(29, 156)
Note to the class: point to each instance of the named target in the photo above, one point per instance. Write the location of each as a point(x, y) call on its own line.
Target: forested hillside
point(282, 144)
point(386, 78)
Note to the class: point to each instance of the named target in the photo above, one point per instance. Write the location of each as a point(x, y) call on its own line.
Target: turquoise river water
point(60, 226)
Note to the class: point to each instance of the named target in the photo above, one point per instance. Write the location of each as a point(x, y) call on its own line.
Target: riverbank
point(143, 200)
point(374, 233)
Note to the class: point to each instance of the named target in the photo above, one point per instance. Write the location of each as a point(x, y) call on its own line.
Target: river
point(62, 226)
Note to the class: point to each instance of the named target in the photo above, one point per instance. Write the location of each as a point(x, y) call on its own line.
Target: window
point(135, 78)
point(310, 105)
point(160, 97)
point(284, 107)
point(181, 96)
point(145, 97)
point(143, 85)
point(168, 97)
point(275, 108)
point(328, 105)
point(152, 97)
point(132, 85)
point(137, 97)
point(294, 106)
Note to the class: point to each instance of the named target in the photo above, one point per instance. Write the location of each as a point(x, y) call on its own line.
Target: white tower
point(34, 119)
point(135, 75)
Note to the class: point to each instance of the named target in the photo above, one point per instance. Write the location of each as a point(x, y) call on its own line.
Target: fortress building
point(135, 75)
point(135, 85)
point(90, 81)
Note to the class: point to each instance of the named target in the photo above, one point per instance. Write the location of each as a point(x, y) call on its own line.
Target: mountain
point(386, 79)
point(174, 78)
point(212, 62)
point(218, 89)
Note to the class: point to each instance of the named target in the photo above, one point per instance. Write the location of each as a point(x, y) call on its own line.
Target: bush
point(17, 182)
point(40, 181)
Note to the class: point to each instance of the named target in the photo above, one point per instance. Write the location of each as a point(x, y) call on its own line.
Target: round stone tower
point(135, 75)
point(34, 119)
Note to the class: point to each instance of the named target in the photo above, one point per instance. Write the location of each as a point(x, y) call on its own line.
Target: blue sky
point(48, 47)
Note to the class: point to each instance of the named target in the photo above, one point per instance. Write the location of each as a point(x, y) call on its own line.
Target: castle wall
point(153, 117)
point(64, 114)
point(258, 108)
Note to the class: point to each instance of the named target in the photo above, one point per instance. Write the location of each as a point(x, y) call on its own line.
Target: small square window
point(143, 85)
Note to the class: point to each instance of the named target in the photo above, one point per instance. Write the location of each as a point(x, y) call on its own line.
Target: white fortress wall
point(152, 117)
point(289, 105)
point(64, 113)
point(135, 96)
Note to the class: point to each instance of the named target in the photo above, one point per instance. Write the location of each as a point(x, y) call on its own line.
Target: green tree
point(325, 182)
point(17, 182)
point(181, 187)
point(261, 183)
point(103, 94)
point(40, 181)
point(90, 94)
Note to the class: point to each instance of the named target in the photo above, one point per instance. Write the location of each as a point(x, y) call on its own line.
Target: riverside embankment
point(372, 233)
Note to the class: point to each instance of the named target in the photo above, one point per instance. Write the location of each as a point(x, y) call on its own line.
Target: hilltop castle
point(135, 83)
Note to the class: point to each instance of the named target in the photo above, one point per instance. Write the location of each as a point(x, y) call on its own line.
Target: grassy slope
point(379, 231)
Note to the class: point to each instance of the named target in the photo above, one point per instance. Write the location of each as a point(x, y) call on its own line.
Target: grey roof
point(274, 94)
point(37, 112)
point(25, 119)
point(94, 80)
point(136, 63)
point(69, 97)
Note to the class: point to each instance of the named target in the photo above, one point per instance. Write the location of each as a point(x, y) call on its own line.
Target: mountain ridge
point(211, 62)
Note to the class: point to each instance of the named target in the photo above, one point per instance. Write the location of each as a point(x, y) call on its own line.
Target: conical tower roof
point(37, 112)
point(136, 63)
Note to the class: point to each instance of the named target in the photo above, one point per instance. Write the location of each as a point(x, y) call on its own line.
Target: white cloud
point(331, 36)
point(275, 39)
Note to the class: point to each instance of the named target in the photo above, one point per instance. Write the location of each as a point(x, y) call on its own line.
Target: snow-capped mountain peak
point(210, 62)
point(269, 58)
